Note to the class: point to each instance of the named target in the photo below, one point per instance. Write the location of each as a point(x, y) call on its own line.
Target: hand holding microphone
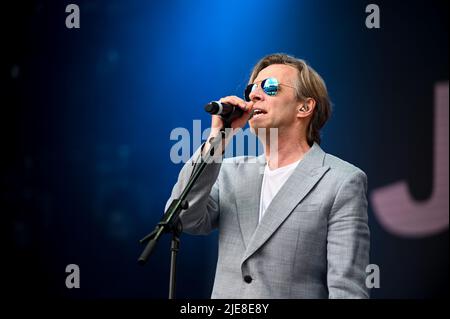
point(232, 109)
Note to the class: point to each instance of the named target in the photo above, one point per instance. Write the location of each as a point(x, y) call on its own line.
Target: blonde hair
point(309, 84)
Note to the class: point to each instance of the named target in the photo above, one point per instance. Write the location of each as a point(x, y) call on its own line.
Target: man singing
point(293, 222)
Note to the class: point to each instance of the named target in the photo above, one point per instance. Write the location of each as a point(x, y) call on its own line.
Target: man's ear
point(306, 108)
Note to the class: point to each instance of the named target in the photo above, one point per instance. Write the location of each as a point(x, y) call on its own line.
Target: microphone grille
point(212, 107)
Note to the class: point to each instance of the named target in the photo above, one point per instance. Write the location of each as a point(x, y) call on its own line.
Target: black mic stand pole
point(170, 221)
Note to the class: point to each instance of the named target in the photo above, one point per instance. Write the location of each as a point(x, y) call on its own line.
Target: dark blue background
point(87, 114)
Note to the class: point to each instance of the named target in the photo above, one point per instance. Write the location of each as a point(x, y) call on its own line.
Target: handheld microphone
point(228, 112)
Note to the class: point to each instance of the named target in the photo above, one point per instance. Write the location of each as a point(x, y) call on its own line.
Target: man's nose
point(256, 94)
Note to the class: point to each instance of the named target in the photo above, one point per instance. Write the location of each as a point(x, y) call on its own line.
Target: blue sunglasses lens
point(269, 86)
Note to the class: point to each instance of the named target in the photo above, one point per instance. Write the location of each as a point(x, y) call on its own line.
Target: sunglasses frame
point(253, 86)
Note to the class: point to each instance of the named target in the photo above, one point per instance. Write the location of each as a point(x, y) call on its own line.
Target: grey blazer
point(312, 242)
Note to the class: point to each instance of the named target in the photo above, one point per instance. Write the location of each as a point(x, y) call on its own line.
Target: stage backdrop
point(92, 111)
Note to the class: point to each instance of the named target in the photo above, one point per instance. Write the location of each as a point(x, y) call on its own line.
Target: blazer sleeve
point(348, 240)
point(202, 215)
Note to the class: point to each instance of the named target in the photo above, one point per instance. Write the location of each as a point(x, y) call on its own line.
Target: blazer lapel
point(308, 172)
point(248, 196)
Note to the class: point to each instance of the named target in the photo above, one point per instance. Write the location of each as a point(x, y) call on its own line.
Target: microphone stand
point(170, 222)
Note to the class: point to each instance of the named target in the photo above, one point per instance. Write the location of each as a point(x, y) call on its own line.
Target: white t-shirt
point(271, 184)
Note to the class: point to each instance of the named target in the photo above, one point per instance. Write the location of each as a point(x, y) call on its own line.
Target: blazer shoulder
point(342, 168)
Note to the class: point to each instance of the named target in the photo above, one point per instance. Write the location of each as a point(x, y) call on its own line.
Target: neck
point(284, 150)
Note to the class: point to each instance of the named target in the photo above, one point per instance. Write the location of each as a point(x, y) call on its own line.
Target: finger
point(250, 106)
point(234, 100)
